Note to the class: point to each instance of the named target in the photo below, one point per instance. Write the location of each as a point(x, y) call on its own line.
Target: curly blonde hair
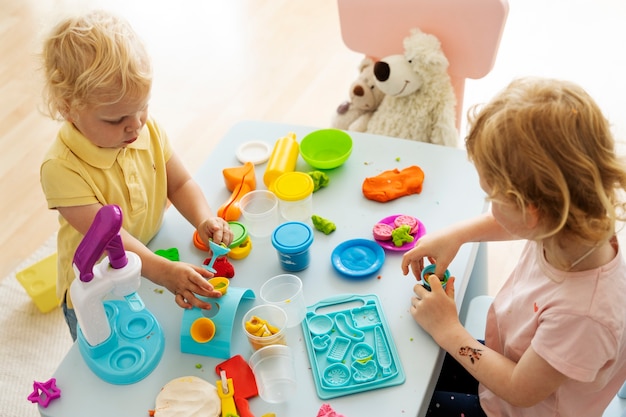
point(546, 143)
point(94, 59)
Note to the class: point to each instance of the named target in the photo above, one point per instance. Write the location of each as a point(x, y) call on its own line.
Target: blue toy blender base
point(132, 351)
point(223, 315)
point(120, 341)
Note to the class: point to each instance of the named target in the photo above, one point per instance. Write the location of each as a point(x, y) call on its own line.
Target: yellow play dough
point(188, 396)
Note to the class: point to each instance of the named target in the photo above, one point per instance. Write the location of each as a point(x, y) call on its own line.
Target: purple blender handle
point(103, 235)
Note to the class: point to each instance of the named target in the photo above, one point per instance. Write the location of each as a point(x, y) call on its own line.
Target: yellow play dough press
point(283, 158)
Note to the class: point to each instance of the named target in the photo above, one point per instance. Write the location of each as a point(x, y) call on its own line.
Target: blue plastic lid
point(292, 237)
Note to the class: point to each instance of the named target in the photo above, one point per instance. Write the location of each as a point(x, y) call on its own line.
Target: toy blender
point(120, 340)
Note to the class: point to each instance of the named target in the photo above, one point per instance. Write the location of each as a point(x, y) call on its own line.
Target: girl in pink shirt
point(555, 342)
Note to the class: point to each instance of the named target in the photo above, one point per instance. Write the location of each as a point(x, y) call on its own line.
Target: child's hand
point(435, 310)
point(438, 247)
point(185, 281)
point(216, 229)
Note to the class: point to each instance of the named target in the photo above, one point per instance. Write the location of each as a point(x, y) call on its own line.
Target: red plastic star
point(44, 392)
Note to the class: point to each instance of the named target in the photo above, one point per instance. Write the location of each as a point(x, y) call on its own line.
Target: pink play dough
point(382, 231)
point(408, 220)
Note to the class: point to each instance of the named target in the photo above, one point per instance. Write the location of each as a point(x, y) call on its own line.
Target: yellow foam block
point(39, 280)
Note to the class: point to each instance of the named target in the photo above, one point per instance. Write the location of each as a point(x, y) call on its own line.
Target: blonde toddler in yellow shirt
point(110, 151)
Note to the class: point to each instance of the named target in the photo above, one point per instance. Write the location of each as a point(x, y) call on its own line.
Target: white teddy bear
point(419, 101)
point(365, 97)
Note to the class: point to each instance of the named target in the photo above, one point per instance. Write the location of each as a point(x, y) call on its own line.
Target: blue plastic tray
point(223, 315)
point(350, 346)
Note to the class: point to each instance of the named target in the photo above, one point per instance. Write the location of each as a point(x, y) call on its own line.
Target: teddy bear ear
point(366, 62)
point(428, 48)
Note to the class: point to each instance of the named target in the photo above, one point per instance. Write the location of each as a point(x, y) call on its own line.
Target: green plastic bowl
point(326, 148)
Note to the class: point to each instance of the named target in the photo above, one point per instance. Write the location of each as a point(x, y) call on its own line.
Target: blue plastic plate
point(358, 257)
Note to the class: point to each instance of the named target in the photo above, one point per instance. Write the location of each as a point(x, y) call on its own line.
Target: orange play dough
point(392, 184)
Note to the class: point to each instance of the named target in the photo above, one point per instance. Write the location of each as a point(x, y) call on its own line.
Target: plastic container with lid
point(241, 245)
point(292, 241)
point(295, 196)
point(283, 158)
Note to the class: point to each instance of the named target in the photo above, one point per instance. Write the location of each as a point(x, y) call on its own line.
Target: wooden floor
point(220, 62)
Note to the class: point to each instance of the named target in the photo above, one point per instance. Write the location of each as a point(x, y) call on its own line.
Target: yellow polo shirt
point(75, 172)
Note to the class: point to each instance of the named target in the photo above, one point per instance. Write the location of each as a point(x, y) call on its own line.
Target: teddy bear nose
point(381, 71)
point(358, 91)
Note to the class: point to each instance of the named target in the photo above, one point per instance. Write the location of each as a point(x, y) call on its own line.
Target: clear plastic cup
point(264, 325)
point(274, 372)
point(260, 212)
point(285, 291)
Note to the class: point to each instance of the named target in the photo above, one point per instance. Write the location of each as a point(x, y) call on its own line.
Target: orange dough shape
point(392, 184)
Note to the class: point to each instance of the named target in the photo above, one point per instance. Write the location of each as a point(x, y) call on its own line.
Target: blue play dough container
point(430, 269)
point(292, 241)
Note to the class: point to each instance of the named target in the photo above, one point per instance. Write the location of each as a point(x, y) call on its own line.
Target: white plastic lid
point(255, 151)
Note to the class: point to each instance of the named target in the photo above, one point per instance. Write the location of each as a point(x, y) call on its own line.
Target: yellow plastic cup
point(202, 330)
point(220, 284)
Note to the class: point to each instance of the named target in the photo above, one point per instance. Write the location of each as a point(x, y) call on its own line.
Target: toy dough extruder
point(120, 340)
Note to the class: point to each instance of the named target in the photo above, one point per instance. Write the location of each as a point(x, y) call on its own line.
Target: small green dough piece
point(323, 225)
point(171, 254)
point(400, 235)
point(320, 179)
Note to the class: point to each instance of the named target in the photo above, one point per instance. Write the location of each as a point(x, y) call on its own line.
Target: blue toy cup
point(292, 241)
point(430, 269)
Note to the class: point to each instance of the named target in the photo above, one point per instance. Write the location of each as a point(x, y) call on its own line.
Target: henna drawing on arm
point(472, 353)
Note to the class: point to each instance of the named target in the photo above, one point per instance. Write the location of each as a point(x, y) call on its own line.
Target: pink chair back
point(469, 32)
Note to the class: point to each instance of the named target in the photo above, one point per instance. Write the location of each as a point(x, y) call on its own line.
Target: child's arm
point(441, 247)
point(186, 195)
point(522, 384)
point(182, 279)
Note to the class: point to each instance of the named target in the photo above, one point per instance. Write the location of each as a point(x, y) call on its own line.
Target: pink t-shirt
point(574, 320)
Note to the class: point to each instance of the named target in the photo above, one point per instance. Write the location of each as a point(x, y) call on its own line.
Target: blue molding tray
point(350, 346)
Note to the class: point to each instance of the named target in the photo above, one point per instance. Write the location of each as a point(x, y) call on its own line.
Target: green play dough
point(320, 179)
point(401, 235)
point(323, 225)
